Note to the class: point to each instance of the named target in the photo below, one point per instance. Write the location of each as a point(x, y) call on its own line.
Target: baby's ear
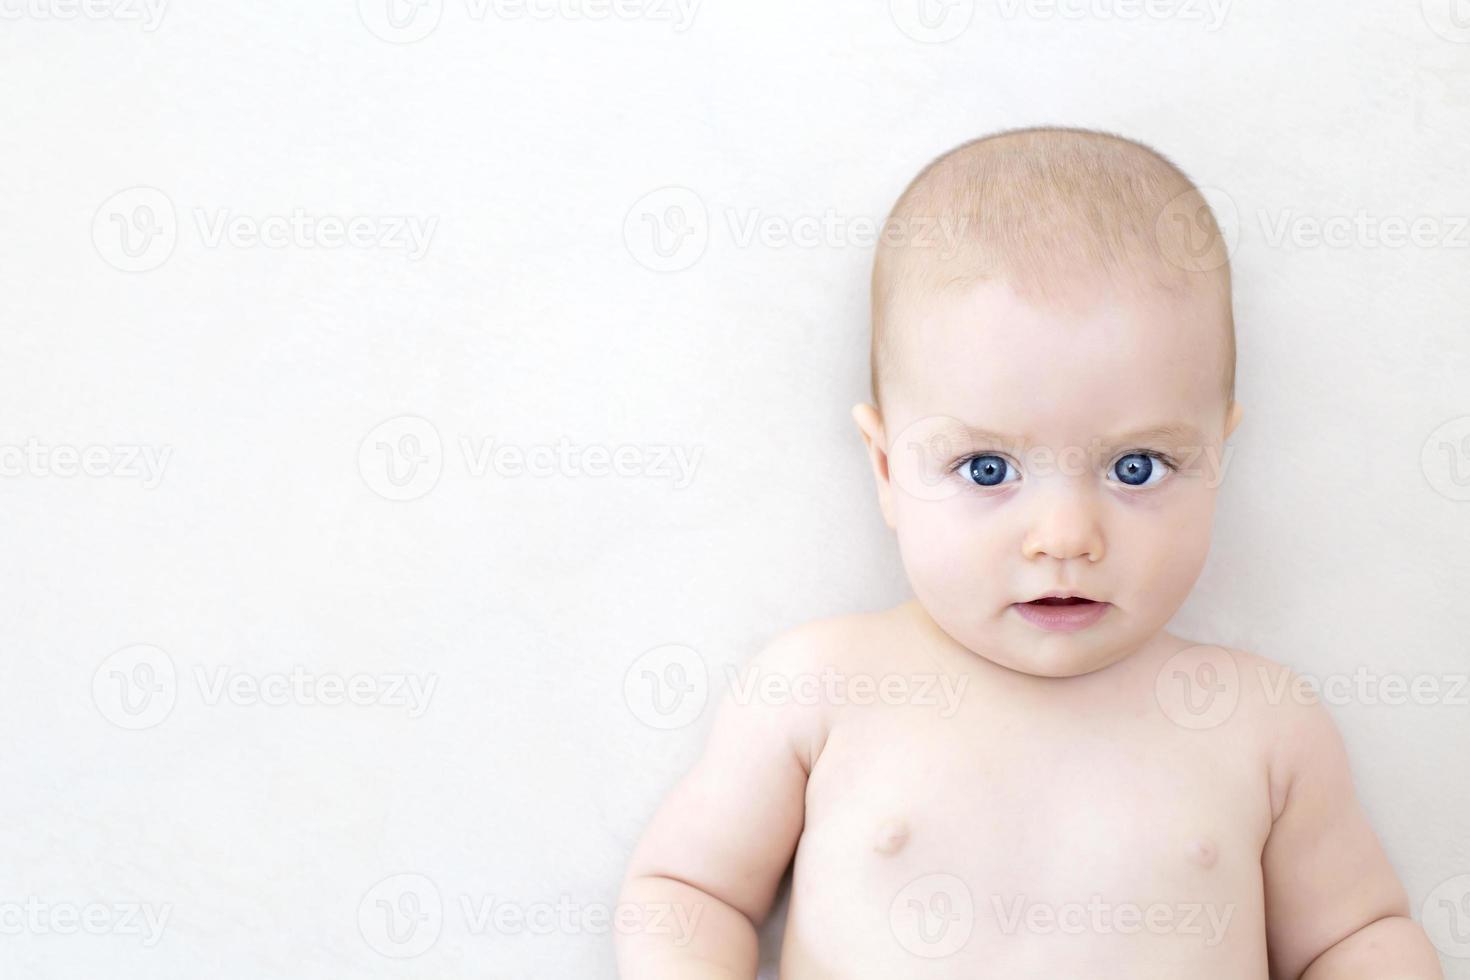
point(870, 425)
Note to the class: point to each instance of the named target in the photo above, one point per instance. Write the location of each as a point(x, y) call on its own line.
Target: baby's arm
point(718, 845)
point(1335, 910)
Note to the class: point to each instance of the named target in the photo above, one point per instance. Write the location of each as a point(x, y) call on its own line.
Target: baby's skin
point(973, 784)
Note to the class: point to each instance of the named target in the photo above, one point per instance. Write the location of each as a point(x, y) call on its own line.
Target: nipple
point(893, 834)
point(1203, 853)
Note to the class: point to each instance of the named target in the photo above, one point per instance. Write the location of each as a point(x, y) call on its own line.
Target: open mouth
point(1062, 613)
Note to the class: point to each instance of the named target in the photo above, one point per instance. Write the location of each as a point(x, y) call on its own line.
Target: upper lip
point(1063, 594)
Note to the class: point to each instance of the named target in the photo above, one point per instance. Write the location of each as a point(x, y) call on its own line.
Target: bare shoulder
point(792, 674)
point(1268, 705)
point(843, 642)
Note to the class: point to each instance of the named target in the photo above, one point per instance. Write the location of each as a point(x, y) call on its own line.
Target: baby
point(1053, 387)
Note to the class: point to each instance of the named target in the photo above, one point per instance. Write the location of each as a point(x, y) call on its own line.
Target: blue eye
point(987, 470)
point(1140, 469)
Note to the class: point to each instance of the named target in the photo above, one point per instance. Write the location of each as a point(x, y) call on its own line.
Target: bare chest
point(998, 836)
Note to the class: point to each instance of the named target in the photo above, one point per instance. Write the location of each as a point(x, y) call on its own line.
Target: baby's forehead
point(986, 351)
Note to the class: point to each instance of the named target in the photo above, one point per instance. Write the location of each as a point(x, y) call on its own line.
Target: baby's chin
point(1053, 660)
point(1025, 649)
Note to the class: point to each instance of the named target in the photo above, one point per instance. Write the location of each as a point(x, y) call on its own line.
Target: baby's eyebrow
point(1169, 432)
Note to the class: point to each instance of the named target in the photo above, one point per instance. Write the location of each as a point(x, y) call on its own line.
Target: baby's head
point(1053, 377)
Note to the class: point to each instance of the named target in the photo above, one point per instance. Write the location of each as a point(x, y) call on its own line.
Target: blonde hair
point(1046, 209)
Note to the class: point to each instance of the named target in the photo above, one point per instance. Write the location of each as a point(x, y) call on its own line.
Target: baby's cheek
point(945, 552)
point(1167, 549)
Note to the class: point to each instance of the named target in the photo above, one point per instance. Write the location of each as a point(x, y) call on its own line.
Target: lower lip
point(1061, 619)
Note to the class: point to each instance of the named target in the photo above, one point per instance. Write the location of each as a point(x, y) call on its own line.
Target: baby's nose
point(1064, 526)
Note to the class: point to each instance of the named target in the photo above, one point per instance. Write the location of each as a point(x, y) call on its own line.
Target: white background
point(533, 317)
